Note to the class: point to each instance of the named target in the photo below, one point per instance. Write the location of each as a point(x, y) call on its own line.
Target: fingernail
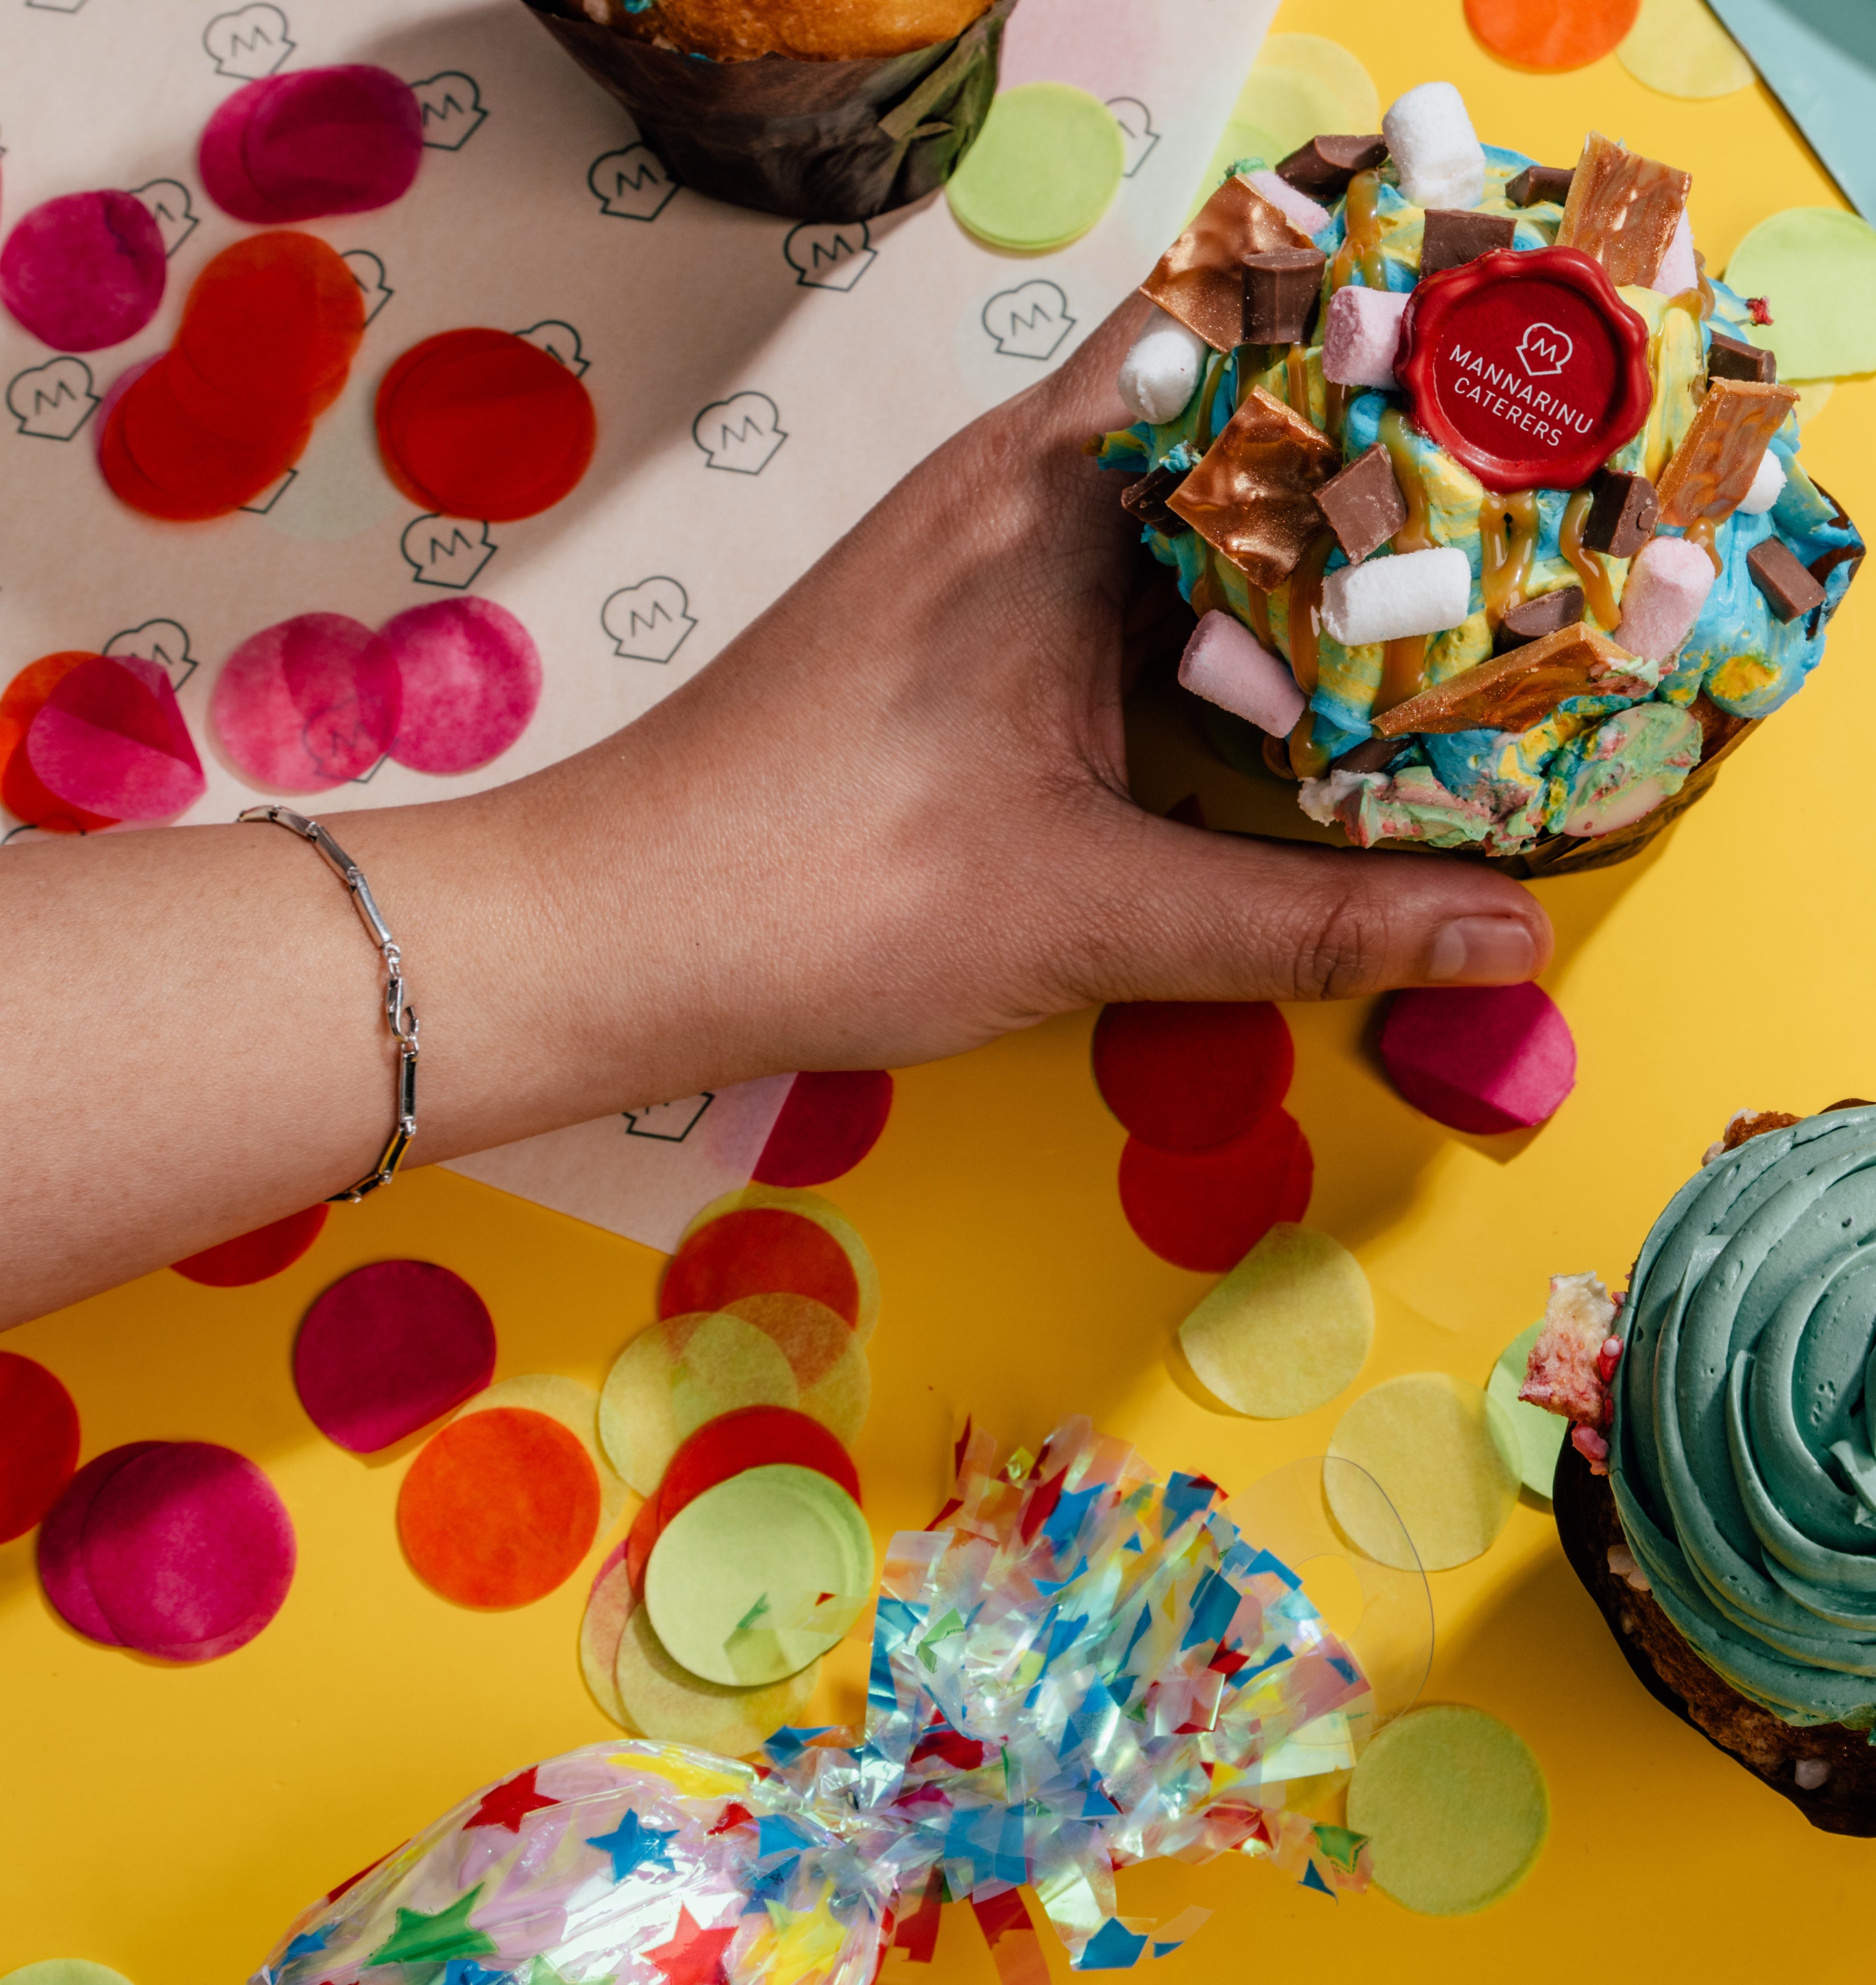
point(1483, 951)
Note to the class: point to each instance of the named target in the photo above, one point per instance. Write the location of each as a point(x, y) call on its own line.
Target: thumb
point(1166, 911)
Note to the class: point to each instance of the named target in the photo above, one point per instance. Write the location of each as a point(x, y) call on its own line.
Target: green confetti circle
point(65, 1971)
point(1539, 1434)
point(1455, 1806)
point(1044, 169)
point(1816, 267)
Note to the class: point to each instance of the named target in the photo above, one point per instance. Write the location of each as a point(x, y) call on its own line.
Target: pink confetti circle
point(326, 141)
point(110, 739)
point(188, 1550)
point(1480, 1059)
point(61, 1555)
point(306, 704)
point(387, 1349)
point(84, 271)
point(472, 680)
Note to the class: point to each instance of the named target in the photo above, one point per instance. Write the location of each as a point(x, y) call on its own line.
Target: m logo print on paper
point(1136, 128)
point(166, 643)
point(1030, 321)
point(1544, 350)
point(634, 184)
point(452, 107)
point(649, 622)
point(52, 401)
point(670, 1122)
point(167, 203)
point(445, 551)
point(249, 43)
point(830, 256)
point(368, 273)
point(740, 433)
point(559, 339)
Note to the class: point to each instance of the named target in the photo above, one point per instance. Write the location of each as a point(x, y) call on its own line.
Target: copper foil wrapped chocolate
point(1514, 691)
point(827, 141)
point(1200, 278)
point(1623, 210)
point(1254, 495)
point(1711, 471)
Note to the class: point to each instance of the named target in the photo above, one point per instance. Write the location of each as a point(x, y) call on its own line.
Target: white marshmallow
point(1297, 206)
point(1435, 148)
point(1768, 484)
point(1678, 272)
point(1667, 586)
point(1161, 372)
point(1362, 334)
point(1227, 664)
point(1389, 599)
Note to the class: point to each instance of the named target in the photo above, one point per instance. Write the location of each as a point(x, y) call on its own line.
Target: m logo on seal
point(1544, 350)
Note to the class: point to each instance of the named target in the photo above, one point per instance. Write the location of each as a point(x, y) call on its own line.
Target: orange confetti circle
point(499, 1508)
point(1552, 34)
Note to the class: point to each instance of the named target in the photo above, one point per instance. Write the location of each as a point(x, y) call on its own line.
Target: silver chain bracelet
point(402, 1018)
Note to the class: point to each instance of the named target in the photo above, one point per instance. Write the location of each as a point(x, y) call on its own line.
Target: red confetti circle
point(252, 1257)
point(1207, 1210)
point(758, 1250)
point(829, 1122)
point(21, 791)
point(38, 1443)
point(1190, 1075)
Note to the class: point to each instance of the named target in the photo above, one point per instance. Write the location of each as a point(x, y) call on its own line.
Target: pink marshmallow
point(1678, 272)
point(1667, 586)
point(1227, 664)
point(1362, 336)
point(1297, 206)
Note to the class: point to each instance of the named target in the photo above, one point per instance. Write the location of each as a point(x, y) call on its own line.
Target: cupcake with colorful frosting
point(1718, 1496)
point(1489, 506)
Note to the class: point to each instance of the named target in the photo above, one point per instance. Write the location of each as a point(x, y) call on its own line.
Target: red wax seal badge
point(1526, 366)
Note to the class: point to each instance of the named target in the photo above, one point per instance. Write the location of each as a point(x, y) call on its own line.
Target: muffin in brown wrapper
point(1679, 1679)
point(823, 140)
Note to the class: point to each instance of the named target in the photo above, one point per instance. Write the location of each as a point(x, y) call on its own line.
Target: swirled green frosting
point(1742, 1450)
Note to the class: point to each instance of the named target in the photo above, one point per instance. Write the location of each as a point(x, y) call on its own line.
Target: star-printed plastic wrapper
point(1081, 1665)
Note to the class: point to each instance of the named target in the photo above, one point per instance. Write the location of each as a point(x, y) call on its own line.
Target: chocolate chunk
point(1623, 210)
point(1145, 499)
point(1512, 692)
point(1323, 168)
point(1734, 358)
point(1455, 236)
point(1281, 291)
point(1200, 278)
point(1253, 496)
point(1710, 472)
point(1363, 504)
point(1372, 754)
point(1789, 589)
point(1533, 618)
point(1622, 517)
point(1541, 183)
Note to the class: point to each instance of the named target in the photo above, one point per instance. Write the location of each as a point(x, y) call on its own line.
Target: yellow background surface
point(170, 1823)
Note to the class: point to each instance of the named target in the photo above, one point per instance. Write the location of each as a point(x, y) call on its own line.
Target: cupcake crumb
point(1622, 1562)
point(1810, 1772)
point(1626, 1620)
point(1571, 1362)
point(1743, 1125)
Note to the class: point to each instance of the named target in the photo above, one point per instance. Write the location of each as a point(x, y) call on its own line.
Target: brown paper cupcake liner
point(824, 141)
point(1679, 1680)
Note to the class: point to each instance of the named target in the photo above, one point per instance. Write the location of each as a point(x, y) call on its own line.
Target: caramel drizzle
point(1207, 432)
point(1308, 760)
point(1335, 398)
point(1260, 604)
point(1507, 564)
point(1361, 236)
point(1701, 532)
point(1589, 566)
point(1296, 369)
point(1403, 665)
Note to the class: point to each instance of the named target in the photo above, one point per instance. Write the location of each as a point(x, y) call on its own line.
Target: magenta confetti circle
point(325, 141)
point(61, 1537)
point(471, 681)
point(387, 1349)
point(111, 740)
point(188, 1550)
point(84, 271)
point(306, 704)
